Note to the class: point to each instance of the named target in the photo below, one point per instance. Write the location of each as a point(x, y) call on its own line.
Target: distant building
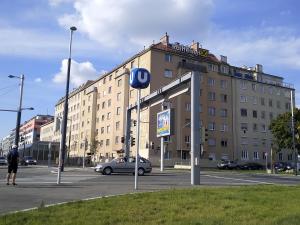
point(30, 130)
point(47, 131)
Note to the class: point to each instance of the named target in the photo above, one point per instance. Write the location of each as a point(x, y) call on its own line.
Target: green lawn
point(257, 205)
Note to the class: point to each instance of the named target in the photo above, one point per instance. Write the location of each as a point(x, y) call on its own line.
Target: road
point(37, 184)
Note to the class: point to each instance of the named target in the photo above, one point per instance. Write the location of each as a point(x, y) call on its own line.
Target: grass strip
point(261, 204)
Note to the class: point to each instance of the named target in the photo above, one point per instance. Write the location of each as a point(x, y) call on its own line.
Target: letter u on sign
point(139, 78)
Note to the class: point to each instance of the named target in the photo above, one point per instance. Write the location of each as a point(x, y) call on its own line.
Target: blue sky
point(34, 39)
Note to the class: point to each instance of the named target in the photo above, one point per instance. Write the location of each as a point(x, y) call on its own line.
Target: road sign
point(139, 78)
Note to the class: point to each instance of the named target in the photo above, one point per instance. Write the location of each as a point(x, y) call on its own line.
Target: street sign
point(139, 78)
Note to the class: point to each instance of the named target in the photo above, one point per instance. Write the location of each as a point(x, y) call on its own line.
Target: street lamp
point(19, 109)
point(65, 115)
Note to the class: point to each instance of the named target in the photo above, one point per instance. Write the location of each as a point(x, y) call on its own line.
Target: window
point(280, 156)
point(102, 130)
point(119, 82)
point(118, 110)
point(254, 100)
point(119, 96)
point(224, 143)
point(98, 107)
point(118, 125)
point(262, 101)
point(107, 142)
point(255, 156)
point(223, 98)
point(117, 140)
point(211, 111)
point(288, 106)
point(223, 127)
point(243, 84)
point(244, 155)
point(108, 129)
point(211, 81)
point(102, 118)
point(82, 113)
point(89, 108)
point(211, 142)
point(264, 155)
point(187, 139)
point(188, 106)
point(108, 102)
point(111, 76)
point(200, 108)
point(254, 127)
point(254, 87)
point(243, 98)
point(263, 114)
point(83, 103)
point(168, 58)
point(224, 69)
point(278, 105)
point(244, 112)
point(103, 105)
point(254, 113)
point(211, 96)
point(270, 90)
point(290, 157)
point(104, 80)
point(212, 67)
point(271, 116)
point(168, 73)
point(109, 90)
point(263, 127)
point(82, 124)
point(270, 102)
point(224, 113)
point(108, 116)
point(223, 84)
point(211, 126)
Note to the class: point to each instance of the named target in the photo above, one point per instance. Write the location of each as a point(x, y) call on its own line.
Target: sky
point(35, 35)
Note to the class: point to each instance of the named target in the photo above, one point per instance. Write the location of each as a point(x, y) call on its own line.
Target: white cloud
point(80, 72)
point(38, 80)
point(134, 23)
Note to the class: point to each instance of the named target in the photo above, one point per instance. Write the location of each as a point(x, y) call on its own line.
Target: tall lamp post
point(19, 112)
point(65, 115)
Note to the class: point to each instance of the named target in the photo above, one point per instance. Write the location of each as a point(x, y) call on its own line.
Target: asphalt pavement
point(37, 184)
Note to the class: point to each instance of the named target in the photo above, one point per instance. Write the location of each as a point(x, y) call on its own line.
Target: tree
point(281, 128)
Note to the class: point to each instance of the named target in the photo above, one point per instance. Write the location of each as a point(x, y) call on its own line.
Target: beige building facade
point(230, 106)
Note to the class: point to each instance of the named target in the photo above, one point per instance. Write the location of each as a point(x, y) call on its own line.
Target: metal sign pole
point(137, 140)
point(195, 129)
point(162, 150)
point(59, 159)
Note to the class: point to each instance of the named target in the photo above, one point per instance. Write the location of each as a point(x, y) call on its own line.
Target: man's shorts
point(12, 168)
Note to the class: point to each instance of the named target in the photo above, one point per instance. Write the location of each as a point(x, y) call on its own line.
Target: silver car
point(124, 165)
point(3, 160)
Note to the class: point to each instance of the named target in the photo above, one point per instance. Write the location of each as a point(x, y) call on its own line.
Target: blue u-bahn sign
point(139, 78)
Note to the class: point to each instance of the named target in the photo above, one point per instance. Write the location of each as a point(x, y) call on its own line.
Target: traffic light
point(122, 140)
point(134, 122)
point(132, 141)
point(152, 145)
point(22, 139)
point(204, 134)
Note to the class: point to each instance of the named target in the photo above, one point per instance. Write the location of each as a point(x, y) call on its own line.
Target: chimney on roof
point(223, 58)
point(165, 39)
point(259, 68)
point(195, 46)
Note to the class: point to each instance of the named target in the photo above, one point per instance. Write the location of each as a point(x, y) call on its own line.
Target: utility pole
point(293, 134)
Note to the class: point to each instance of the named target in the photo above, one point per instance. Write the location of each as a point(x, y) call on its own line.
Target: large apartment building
point(236, 107)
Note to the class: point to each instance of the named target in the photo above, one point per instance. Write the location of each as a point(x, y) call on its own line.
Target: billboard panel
point(164, 123)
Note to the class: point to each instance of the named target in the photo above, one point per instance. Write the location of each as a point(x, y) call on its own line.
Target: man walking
point(12, 160)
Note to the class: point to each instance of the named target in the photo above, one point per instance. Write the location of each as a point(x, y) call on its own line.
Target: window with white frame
point(211, 96)
point(244, 112)
point(211, 111)
point(223, 84)
point(168, 58)
point(211, 81)
point(224, 69)
point(168, 73)
point(223, 97)
point(108, 115)
point(243, 98)
point(187, 139)
point(243, 84)
point(223, 127)
point(118, 110)
point(255, 156)
point(224, 112)
point(211, 126)
point(119, 82)
point(244, 155)
point(118, 125)
point(188, 107)
point(263, 128)
point(108, 129)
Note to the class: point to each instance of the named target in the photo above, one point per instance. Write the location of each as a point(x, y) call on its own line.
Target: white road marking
point(238, 179)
